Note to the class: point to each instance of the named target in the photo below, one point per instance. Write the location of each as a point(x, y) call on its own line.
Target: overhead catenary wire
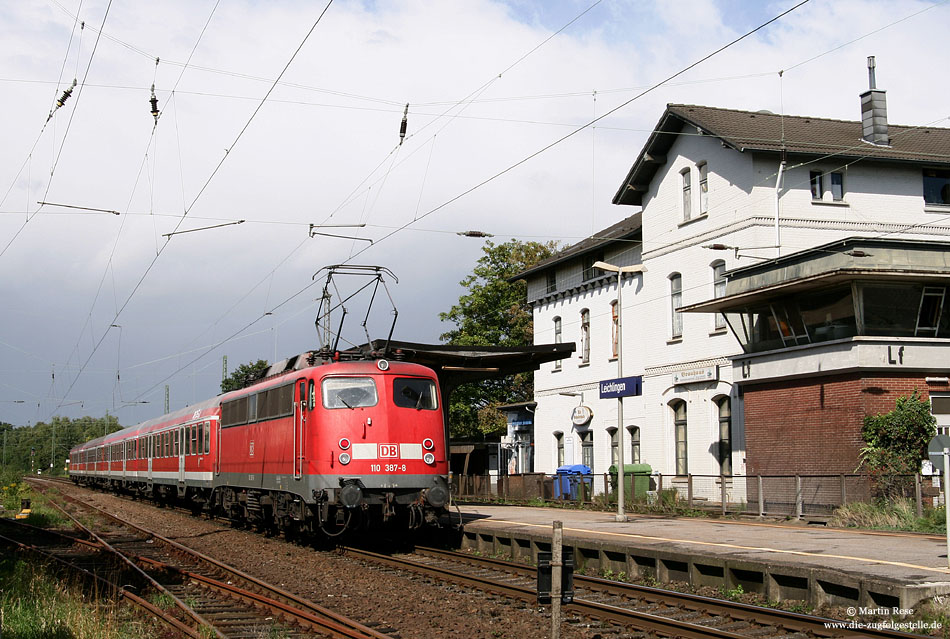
point(589, 124)
point(201, 191)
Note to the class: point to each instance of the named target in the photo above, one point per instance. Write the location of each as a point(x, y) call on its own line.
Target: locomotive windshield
point(349, 392)
point(417, 393)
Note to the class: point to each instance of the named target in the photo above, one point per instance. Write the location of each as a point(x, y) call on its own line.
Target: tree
point(493, 312)
point(244, 375)
point(896, 442)
point(44, 443)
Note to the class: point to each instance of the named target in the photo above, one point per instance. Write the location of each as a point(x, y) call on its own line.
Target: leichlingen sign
point(621, 387)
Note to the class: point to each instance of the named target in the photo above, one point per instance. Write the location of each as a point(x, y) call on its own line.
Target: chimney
point(874, 110)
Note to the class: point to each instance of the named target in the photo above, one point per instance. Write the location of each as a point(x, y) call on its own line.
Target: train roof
point(173, 417)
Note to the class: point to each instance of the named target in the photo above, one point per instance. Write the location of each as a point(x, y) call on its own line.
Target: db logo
point(388, 450)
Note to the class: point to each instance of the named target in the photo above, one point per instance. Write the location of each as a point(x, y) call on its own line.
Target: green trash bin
point(636, 480)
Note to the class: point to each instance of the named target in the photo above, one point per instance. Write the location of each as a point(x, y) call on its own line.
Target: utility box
point(636, 480)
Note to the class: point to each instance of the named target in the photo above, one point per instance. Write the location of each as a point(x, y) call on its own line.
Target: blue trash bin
point(568, 478)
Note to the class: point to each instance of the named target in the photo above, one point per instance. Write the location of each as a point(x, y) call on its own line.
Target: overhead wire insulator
point(62, 99)
point(154, 102)
point(405, 123)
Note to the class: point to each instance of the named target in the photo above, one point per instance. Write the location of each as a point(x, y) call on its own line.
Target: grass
point(36, 603)
point(898, 514)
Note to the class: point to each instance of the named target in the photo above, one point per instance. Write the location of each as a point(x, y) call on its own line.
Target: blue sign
point(621, 387)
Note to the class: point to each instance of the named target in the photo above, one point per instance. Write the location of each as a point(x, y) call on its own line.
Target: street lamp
point(620, 270)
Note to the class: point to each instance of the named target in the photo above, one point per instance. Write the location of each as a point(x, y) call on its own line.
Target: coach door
point(300, 427)
point(150, 443)
point(181, 455)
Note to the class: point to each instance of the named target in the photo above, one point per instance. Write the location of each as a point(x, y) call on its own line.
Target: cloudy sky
point(98, 311)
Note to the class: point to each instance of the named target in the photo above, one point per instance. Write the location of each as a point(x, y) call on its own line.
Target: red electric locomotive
point(324, 445)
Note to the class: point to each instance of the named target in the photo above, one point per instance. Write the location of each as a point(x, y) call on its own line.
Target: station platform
point(822, 566)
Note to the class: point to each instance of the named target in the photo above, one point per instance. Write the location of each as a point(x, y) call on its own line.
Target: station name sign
point(621, 387)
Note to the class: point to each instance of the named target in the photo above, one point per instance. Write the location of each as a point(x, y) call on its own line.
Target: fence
point(765, 495)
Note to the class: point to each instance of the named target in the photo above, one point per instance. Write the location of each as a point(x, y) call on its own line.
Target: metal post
point(556, 561)
point(621, 501)
point(761, 498)
point(722, 492)
point(689, 490)
point(844, 494)
point(946, 507)
point(799, 506)
point(917, 496)
point(166, 399)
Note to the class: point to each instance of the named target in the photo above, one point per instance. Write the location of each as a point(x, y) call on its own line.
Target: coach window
point(252, 408)
point(349, 392)
point(312, 398)
point(207, 437)
point(410, 392)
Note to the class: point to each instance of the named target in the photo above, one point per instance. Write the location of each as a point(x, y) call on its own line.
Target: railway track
point(208, 594)
point(650, 610)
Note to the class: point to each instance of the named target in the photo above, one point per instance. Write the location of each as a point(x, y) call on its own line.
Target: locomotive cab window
point(349, 392)
point(416, 393)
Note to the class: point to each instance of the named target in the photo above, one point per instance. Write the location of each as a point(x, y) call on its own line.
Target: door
point(216, 429)
point(181, 454)
point(150, 444)
point(300, 427)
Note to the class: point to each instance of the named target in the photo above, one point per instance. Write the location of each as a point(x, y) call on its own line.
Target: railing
point(795, 496)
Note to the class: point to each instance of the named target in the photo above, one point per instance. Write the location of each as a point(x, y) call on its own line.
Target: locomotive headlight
point(345, 445)
point(344, 458)
point(428, 458)
point(428, 444)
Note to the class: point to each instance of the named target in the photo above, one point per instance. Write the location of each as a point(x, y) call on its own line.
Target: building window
point(931, 307)
point(814, 177)
point(559, 440)
point(614, 329)
point(557, 340)
point(725, 436)
point(687, 194)
point(634, 432)
point(587, 449)
point(590, 271)
point(676, 300)
point(703, 189)
point(837, 186)
point(679, 433)
point(614, 446)
point(552, 281)
point(585, 336)
point(937, 186)
point(719, 289)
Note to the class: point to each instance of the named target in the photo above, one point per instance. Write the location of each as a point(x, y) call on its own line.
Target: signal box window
point(415, 393)
point(349, 392)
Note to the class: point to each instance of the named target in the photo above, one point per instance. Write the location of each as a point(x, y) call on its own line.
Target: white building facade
point(717, 189)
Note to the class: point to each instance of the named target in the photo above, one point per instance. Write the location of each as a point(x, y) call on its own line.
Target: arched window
point(585, 336)
point(725, 435)
point(614, 329)
point(687, 194)
point(679, 433)
point(559, 441)
point(703, 188)
point(719, 288)
point(557, 340)
point(634, 432)
point(587, 449)
point(614, 446)
point(676, 300)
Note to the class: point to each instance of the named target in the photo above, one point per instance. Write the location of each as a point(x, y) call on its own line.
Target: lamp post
point(620, 270)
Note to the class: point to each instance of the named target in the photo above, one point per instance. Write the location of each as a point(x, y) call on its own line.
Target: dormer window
point(937, 186)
